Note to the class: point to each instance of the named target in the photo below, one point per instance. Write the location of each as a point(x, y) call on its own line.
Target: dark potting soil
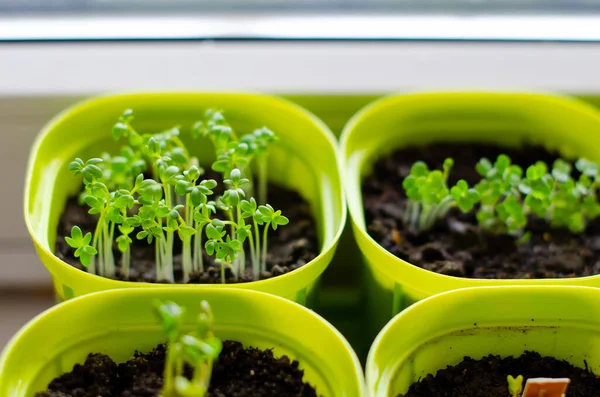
point(239, 372)
point(487, 377)
point(457, 246)
point(289, 247)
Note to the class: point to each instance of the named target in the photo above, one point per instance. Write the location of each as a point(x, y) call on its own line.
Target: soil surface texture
point(289, 247)
point(239, 372)
point(457, 246)
point(487, 377)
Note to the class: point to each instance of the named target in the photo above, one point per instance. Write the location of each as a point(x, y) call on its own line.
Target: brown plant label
point(546, 387)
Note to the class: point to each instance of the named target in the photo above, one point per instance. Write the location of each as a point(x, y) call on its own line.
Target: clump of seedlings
point(154, 191)
point(197, 349)
point(507, 196)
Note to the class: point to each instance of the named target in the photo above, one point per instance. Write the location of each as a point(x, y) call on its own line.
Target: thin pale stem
point(112, 232)
point(264, 247)
point(250, 189)
point(256, 241)
point(241, 258)
point(168, 263)
point(157, 259)
point(198, 257)
point(168, 382)
point(186, 259)
point(126, 263)
point(95, 244)
point(109, 267)
point(426, 210)
point(255, 263)
point(223, 266)
point(232, 223)
point(186, 253)
point(413, 217)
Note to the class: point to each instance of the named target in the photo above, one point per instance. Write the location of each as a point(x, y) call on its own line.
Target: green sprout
point(153, 190)
point(515, 385)
point(198, 349)
point(265, 215)
point(82, 246)
point(430, 199)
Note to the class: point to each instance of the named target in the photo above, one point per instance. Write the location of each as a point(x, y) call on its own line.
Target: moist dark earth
point(487, 377)
point(457, 246)
point(289, 247)
point(239, 372)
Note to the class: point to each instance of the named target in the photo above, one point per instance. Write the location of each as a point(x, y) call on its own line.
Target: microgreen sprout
point(430, 199)
point(198, 349)
point(515, 385)
point(154, 191)
point(81, 243)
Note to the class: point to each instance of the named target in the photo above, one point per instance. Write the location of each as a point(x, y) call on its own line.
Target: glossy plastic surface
point(119, 322)
point(560, 123)
point(303, 160)
point(556, 321)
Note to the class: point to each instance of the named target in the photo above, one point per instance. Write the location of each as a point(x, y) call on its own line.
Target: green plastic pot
point(119, 322)
point(304, 160)
point(508, 119)
point(555, 321)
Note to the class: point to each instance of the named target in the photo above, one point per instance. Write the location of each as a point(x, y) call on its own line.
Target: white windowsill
point(551, 27)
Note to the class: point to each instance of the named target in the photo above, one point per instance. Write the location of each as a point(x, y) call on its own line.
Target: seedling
point(515, 385)
point(172, 201)
point(82, 246)
point(430, 199)
point(198, 349)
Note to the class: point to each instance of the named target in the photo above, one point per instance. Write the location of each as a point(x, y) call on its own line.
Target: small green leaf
point(76, 234)
point(536, 171)
point(419, 169)
point(123, 243)
point(213, 232)
point(170, 315)
point(561, 171)
point(186, 232)
point(484, 166)
point(210, 246)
